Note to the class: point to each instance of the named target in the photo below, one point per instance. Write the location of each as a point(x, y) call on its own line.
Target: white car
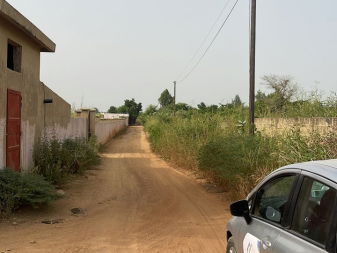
point(293, 210)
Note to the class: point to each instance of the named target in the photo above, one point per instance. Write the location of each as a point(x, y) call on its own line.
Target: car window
point(314, 210)
point(273, 197)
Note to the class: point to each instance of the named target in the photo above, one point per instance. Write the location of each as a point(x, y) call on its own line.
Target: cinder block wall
point(107, 129)
point(76, 128)
point(305, 125)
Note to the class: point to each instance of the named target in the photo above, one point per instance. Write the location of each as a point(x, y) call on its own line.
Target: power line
point(204, 40)
point(210, 45)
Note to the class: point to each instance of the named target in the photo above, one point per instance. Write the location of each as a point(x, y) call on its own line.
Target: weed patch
point(18, 190)
point(221, 147)
point(56, 159)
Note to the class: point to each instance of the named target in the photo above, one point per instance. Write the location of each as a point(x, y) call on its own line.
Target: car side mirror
point(241, 209)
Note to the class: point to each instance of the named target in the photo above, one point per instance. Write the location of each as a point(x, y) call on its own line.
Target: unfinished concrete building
point(27, 106)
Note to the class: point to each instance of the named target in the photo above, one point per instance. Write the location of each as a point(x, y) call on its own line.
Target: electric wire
point(210, 45)
point(204, 40)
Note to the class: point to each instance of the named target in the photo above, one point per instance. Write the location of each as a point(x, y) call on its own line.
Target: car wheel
point(230, 246)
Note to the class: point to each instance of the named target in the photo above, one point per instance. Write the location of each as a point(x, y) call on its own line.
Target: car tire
point(230, 246)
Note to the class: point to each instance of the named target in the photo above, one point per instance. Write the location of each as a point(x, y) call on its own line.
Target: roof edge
point(8, 12)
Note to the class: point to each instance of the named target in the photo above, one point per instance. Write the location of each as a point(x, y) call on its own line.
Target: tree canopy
point(165, 99)
point(237, 101)
point(112, 109)
point(130, 107)
point(283, 90)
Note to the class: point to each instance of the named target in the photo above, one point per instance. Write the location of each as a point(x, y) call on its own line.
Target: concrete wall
point(56, 113)
point(106, 129)
point(306, 125)
point(35, 115)
point(76, 128)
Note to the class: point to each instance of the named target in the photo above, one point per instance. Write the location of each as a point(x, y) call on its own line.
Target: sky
point(112, 50)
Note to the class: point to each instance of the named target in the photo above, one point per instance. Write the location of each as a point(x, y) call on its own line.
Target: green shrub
point(236, 155)
point(78, 155)
point(219, 145)
point(180, 138)
point(18, 190)
point(56, 159)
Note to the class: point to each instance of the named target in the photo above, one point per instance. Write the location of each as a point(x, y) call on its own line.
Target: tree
point(150, 110)
point(112, 109)
point(123, 109)
point(202, 106)
point(133, 109)
point(236, 102)
point(183, 107)
point(130, 107)
point(283, 90)
point(261, 106)
point(213, 108)
point(165, 99)
point(260, 96)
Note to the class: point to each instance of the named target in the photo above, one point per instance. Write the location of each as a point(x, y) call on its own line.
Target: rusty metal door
point(13, 130)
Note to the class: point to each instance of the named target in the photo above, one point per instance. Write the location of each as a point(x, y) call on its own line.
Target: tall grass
point(220, 146)
point(180, 138)
point(55, 159)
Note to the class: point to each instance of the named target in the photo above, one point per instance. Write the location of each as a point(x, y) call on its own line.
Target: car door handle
point(266, 244)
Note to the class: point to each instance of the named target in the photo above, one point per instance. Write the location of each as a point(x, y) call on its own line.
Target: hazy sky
point(110, 50)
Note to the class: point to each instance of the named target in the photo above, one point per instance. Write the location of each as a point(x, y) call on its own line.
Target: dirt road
point(133, 202)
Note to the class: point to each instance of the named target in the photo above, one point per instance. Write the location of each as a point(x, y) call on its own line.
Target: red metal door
point(13, 132)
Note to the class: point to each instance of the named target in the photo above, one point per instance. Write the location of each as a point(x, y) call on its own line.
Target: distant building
point(27, 106)
point(115, 116)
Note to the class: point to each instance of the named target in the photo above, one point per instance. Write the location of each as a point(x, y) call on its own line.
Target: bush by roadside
point(22, 189)
point(291, 147)
point(235, 155)
point(226, 153)
point(55, 159)
point(180, 138)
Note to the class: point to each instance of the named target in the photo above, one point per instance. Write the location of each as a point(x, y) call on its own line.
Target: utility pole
point(252, 69)
point(175, 94)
